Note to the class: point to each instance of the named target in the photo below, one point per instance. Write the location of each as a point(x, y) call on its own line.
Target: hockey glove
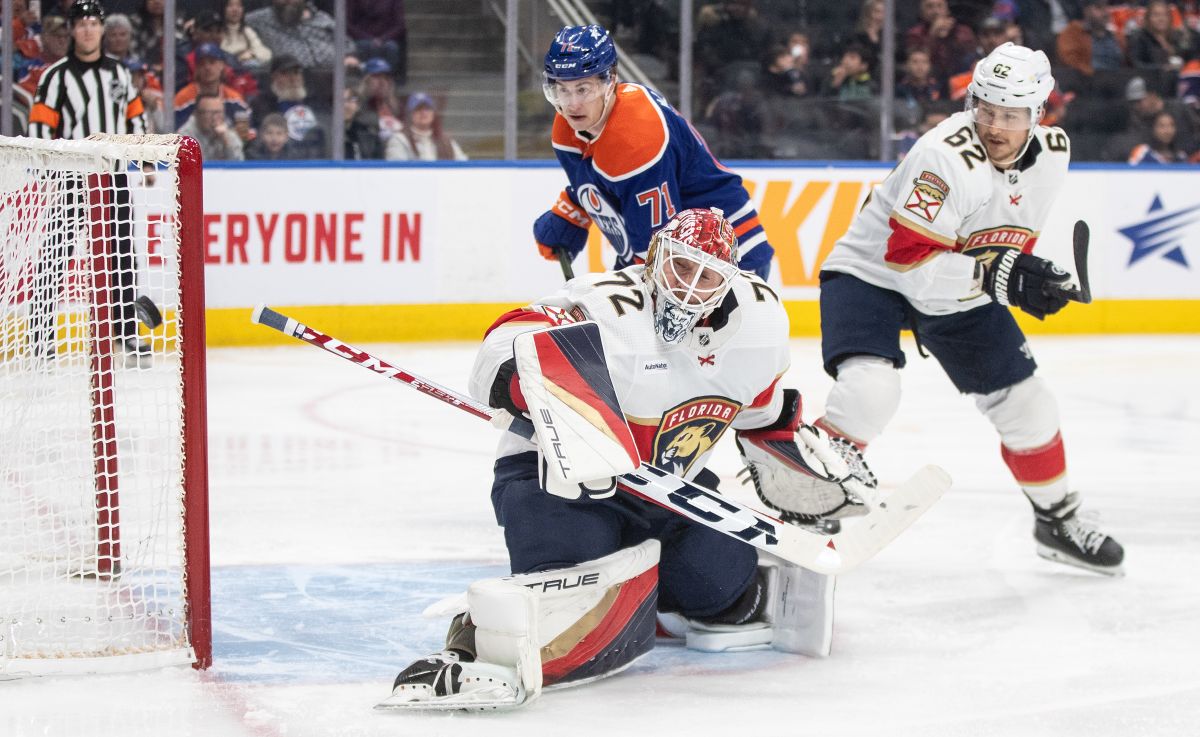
point(563, 227)
point(797, 473)
point(1022, 280)
point(506, 391)
point(596, 489)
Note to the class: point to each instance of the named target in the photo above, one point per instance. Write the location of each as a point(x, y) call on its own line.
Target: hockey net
point(103, 498)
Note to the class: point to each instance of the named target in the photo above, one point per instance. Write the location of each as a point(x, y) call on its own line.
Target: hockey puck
point(147, 312)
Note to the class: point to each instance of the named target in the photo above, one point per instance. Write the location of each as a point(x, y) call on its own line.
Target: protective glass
point(562, 93)
point(999, 116)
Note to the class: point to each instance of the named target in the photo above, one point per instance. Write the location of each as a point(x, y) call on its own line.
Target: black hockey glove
point(1034, 284)
point(506, 392)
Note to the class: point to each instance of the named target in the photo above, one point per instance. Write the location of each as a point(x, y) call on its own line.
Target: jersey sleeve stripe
point(42, 113)
point(134, 108)
point(908, 246)
point(520, 316)
point(745, 226)
point(742, 212)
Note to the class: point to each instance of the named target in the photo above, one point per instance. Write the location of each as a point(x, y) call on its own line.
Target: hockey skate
point(1064, 537)
point(450, 680)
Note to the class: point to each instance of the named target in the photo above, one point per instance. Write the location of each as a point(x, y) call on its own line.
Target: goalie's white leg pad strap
point(576, 414)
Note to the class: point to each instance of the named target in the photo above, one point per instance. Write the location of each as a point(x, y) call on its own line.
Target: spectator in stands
point(240, 41)
point(382, 110)
point(1088, 44)
point(296, 28)
point(851, 79)
point(272, 143)
point(1162, 145)
point(210, 73)
point(148, 33)
point(918, 85)
point(210, 128)
point(205, 27)
point(118, 38)
point(149, 90)
point(1144, 106)
point(729, 37)
point(423, 138)
point(361, 141)
point(1158, 46)
point(56, 39)
point(781, 78)
point(288, 96)
point(993, 33)
point(739, 117)
point(868, 31)
point(378, 30)
point(951, 44)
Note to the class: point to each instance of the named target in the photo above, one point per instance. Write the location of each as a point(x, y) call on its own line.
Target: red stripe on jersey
point(906, 246)
point(762, 400)
point(520, 315)
point(643, 436)
point(1029, 244)
point(1037, 466)
point(609, 630)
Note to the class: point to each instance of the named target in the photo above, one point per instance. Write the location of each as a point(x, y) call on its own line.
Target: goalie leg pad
point(797, 616)
point(534, 630)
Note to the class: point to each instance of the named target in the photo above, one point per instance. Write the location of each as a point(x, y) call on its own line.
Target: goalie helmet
point(690, 267)
point(576, 53)
point(1015, 82)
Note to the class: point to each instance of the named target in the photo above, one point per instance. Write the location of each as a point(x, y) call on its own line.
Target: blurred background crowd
point(791, 79)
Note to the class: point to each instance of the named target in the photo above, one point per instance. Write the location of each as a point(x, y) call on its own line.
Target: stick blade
point(1080, 239)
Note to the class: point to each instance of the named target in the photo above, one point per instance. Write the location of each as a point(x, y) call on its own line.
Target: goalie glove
point(797, 473)
point(1022, 280)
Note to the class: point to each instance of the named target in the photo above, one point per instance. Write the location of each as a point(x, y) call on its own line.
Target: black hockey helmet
point(85, 9)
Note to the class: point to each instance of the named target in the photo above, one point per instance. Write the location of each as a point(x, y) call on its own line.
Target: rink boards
point(437, 251)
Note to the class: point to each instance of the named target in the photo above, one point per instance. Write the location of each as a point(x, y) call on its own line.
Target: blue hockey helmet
point(580, 51)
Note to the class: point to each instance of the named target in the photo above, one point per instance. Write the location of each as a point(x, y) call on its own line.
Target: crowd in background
point(773, 78)
point(254, 83)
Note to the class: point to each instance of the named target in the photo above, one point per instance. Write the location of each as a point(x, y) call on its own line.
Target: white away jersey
point(918, 228)
point(678, 399)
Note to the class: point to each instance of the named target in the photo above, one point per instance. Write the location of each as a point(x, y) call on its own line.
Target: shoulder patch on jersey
point(928, 195)
point(634, 137)
point(562, 136)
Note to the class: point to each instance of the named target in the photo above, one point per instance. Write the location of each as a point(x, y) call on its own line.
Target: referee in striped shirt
point(83, 93)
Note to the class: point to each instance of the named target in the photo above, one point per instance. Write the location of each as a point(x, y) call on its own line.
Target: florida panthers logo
point(608, 219)
point(688, 431)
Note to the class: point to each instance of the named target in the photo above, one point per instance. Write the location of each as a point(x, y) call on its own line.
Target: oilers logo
point(608, 219)
point(689, 430)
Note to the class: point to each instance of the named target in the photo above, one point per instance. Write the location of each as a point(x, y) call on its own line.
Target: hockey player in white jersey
point(943, 247)
point(691, 347)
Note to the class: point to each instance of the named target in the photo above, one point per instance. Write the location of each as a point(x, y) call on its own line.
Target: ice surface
point(343, 504)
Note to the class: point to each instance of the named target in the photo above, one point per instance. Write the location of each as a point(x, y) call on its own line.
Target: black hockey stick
point(824, 554)
point(564, 260)
point(1079, 240)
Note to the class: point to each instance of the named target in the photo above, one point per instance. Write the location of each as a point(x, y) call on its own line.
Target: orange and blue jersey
point(647, 164)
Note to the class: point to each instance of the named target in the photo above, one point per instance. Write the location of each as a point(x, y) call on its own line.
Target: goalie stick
point(832, 554)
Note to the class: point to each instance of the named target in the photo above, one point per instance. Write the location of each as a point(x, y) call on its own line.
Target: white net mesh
point(92, 544)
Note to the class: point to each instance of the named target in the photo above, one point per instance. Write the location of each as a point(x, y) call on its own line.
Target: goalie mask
point(690, 267)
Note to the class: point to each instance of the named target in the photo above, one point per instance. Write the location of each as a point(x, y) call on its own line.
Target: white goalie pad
point(547, 629)
point(578, 421)
point(798, 617)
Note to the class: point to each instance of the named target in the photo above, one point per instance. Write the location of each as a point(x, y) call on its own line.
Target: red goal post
point(104, 560)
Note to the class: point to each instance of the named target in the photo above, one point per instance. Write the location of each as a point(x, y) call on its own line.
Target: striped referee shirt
point(76, 99)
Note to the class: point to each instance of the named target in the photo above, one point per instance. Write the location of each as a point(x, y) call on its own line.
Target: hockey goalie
point(653, 363)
